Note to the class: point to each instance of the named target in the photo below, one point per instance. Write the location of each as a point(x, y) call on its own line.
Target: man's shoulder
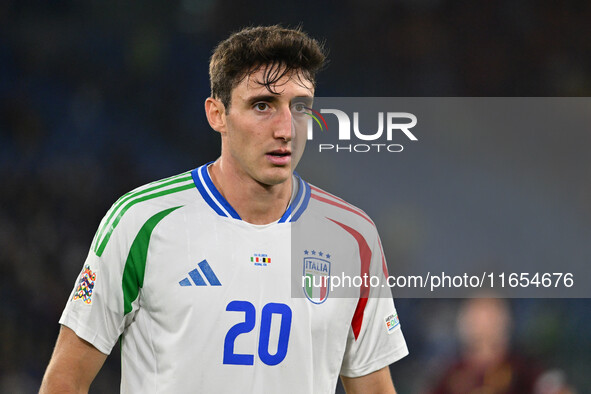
point(336, 209)
point(155, 195)
point(151, 201)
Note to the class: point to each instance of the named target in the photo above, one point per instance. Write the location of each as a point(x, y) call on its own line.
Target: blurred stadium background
point(97, 98)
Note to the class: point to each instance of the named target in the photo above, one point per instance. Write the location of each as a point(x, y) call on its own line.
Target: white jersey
point(206, 302)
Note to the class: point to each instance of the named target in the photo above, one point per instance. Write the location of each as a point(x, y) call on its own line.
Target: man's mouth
point(279, 157)
point(280, 153)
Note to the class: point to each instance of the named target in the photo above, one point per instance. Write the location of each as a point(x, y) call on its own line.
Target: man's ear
point(216, 114)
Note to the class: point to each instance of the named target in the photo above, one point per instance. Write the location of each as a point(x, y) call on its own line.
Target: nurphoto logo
point(390, 125)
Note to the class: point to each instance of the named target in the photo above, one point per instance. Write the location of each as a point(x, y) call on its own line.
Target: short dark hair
point(280, 50)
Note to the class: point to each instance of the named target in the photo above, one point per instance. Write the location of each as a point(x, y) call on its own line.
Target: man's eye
point(299, 107)
point(261, 106)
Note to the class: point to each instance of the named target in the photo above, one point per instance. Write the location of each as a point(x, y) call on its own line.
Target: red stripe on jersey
point(345, 207)
point(384, 266)
point(365, 255)
point(350, 208)
point(353, 209)
point(358, 316)
point(316, 189)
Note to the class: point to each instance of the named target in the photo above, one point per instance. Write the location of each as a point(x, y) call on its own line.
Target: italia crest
point(316, 276)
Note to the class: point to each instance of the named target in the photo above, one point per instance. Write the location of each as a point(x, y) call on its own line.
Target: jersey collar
point(218, 203)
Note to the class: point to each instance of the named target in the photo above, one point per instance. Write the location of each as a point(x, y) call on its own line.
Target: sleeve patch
point(85, 286)
point(391, 322)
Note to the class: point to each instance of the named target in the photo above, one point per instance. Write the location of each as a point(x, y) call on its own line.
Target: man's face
point(265, 133)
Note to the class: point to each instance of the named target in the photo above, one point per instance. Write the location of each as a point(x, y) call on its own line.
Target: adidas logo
point(198, 279)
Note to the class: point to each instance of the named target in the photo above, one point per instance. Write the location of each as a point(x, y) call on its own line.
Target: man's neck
point(254, 202)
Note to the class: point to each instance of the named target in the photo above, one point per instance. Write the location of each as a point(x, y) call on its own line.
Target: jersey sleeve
point(375, 338)
point(96, 309)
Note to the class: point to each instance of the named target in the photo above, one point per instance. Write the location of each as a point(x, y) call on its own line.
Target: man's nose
point(283, 124)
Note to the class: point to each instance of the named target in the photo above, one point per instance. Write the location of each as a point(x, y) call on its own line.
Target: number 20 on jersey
point(284, 311)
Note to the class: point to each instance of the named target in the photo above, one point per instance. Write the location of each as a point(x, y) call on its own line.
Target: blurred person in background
point(487, 363)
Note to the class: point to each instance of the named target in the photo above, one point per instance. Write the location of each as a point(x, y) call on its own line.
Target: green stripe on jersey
point(135, 265)
point(134, 193)
point(126, 201)
point(101, 248)
point(139, 191)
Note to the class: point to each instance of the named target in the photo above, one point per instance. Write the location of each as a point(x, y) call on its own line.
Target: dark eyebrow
point(306, 100)
point(270, 98)
point(263, 97)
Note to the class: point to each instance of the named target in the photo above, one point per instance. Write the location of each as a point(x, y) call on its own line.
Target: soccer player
point(194, 274)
